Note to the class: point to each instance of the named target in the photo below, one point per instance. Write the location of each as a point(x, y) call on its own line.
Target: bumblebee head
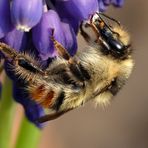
point(115, 40)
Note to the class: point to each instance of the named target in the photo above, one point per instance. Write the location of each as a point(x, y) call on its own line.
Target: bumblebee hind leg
point(52, 116)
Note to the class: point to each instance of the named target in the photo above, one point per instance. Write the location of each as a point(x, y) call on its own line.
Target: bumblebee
point(96, 73)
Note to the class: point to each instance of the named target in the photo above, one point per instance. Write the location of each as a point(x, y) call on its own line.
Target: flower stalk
point(7, 109)
point(28, 136)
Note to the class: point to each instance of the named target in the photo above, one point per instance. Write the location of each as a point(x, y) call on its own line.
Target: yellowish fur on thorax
point(103, 70)
point(124, 35)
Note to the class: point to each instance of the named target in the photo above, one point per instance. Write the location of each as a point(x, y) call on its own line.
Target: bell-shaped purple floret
point(33, 110)
point(42, 34)
point(16, 39)
point(79, 9)
point(102, 6)
point(5, 20)
point(70, 38)
point(106, 2)
point(118, 3)
point(65, 15)
point(26, 14)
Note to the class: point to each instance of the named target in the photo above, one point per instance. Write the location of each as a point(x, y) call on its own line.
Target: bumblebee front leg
point(7, 51)
point(22, 64)
point(75, 66)
point(85, 35)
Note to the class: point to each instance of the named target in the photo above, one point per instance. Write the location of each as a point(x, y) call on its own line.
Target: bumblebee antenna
point(59, 47)
point(99, 14)
point(112, 19)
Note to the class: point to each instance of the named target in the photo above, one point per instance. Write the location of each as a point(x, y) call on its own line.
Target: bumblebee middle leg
point(85, 35)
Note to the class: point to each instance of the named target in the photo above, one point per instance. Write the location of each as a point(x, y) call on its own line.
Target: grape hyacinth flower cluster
point(27, 25)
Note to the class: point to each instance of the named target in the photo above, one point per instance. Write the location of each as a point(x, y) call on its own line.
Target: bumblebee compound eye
point(117, 48)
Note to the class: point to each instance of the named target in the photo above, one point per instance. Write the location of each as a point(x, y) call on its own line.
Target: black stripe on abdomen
point(59, 101)
point(79, 72)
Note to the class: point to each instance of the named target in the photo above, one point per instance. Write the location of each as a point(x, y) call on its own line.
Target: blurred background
point(123, 124)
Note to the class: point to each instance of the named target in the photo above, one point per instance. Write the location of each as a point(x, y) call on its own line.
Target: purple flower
point(70, 38)
point(78, 9)
point(104, 3)
point(33, 110)
point(118, 3)
point(42, 32)
point(16, 39)
point(26, 14)
point(5, 20)
point(63, 33)
point(66, 16)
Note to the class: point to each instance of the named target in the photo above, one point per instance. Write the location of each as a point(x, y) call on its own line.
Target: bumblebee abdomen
point(42, 96)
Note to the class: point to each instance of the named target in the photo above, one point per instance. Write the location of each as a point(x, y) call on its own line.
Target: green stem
point(28, 136)
point(6, 114)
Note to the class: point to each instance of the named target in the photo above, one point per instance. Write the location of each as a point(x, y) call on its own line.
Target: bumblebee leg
point(7, 51)
point(96, 32)
point(51, 116)
point(84, 34)
point(73, 64)
point(75, 70)
point(93, 27)
point(21, 63)
point(60, 49)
